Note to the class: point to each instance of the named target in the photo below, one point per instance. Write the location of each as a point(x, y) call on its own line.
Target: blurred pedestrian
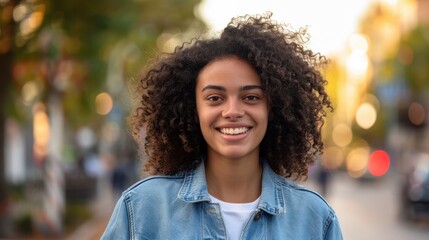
point(230, 122)
point(119, 179)
point(323, 179)
point(92, 164)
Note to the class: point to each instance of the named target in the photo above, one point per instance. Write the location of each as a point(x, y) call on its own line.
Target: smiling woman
point(232, 110)
point(230, 122)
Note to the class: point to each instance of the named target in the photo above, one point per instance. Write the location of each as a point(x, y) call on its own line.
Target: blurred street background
point(67, 74)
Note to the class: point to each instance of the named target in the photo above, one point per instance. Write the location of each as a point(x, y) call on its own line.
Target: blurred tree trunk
point(7, 30)
point(6, 77)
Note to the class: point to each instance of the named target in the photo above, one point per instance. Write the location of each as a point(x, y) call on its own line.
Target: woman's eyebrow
point(220, 88)
point(250, 87)
point(214, 87)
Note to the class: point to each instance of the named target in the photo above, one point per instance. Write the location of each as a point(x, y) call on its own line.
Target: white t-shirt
point(235, 215)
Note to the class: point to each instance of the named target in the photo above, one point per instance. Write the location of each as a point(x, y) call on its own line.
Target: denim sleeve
point(118, 227)
point(333, 230)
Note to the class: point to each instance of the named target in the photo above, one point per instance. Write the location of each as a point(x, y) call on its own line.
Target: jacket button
point(257, 216)
point(212, 210)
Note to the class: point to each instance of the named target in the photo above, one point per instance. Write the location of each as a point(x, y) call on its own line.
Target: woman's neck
point(234, 180)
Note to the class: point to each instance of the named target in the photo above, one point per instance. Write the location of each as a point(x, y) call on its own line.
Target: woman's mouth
point(234, 131)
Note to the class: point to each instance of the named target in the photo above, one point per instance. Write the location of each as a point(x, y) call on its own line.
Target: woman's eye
point(251, 98)
point(214, 98)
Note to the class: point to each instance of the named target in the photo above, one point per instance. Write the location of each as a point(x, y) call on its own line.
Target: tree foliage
point(64, 48)
point(414, 56)
point(71, 50)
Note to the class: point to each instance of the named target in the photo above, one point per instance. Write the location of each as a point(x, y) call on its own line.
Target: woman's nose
point(233, 109)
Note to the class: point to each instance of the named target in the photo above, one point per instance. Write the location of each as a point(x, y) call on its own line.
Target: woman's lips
point(234, 130)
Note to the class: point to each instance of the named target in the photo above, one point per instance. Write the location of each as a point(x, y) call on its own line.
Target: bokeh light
point(357, 61)
point(366, 115)
point(333, 158)
point(41, 132)
point(20, 12)
point(29, 92)
point(378, 163)
point(342, 135)
point(110, 132)
point(416, 113)
point(103, 103)
point(86, 137)
point(357, 161)
point(31, 23)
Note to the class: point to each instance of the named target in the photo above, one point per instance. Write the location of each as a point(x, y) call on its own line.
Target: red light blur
point(379, 163)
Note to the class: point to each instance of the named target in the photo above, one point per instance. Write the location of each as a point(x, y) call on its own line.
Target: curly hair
point(291, 79)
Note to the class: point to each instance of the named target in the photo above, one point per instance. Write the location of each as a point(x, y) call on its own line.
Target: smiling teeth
point(234, 131)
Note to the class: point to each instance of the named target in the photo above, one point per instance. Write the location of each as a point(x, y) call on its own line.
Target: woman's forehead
point(229, 70)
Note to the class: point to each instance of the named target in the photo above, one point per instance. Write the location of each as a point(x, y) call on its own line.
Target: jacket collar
point(194, 189)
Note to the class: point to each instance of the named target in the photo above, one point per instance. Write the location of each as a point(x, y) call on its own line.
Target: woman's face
point(232, 108)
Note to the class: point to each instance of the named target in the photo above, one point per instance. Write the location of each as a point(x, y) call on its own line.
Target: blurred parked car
point(415, 204)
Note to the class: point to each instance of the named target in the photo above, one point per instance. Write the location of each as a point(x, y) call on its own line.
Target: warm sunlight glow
point(357, 65)
point(330, 22)
point(359, 44)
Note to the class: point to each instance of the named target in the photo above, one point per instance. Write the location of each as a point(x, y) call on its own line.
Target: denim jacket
point(179, 207)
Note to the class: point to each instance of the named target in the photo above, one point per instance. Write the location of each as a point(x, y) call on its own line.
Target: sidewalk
point(94, 228)
point(90, 230)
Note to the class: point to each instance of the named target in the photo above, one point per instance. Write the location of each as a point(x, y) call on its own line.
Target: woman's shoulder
point(154, 184)
point(299, 193)
point(305, 207)
point(293, 193)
